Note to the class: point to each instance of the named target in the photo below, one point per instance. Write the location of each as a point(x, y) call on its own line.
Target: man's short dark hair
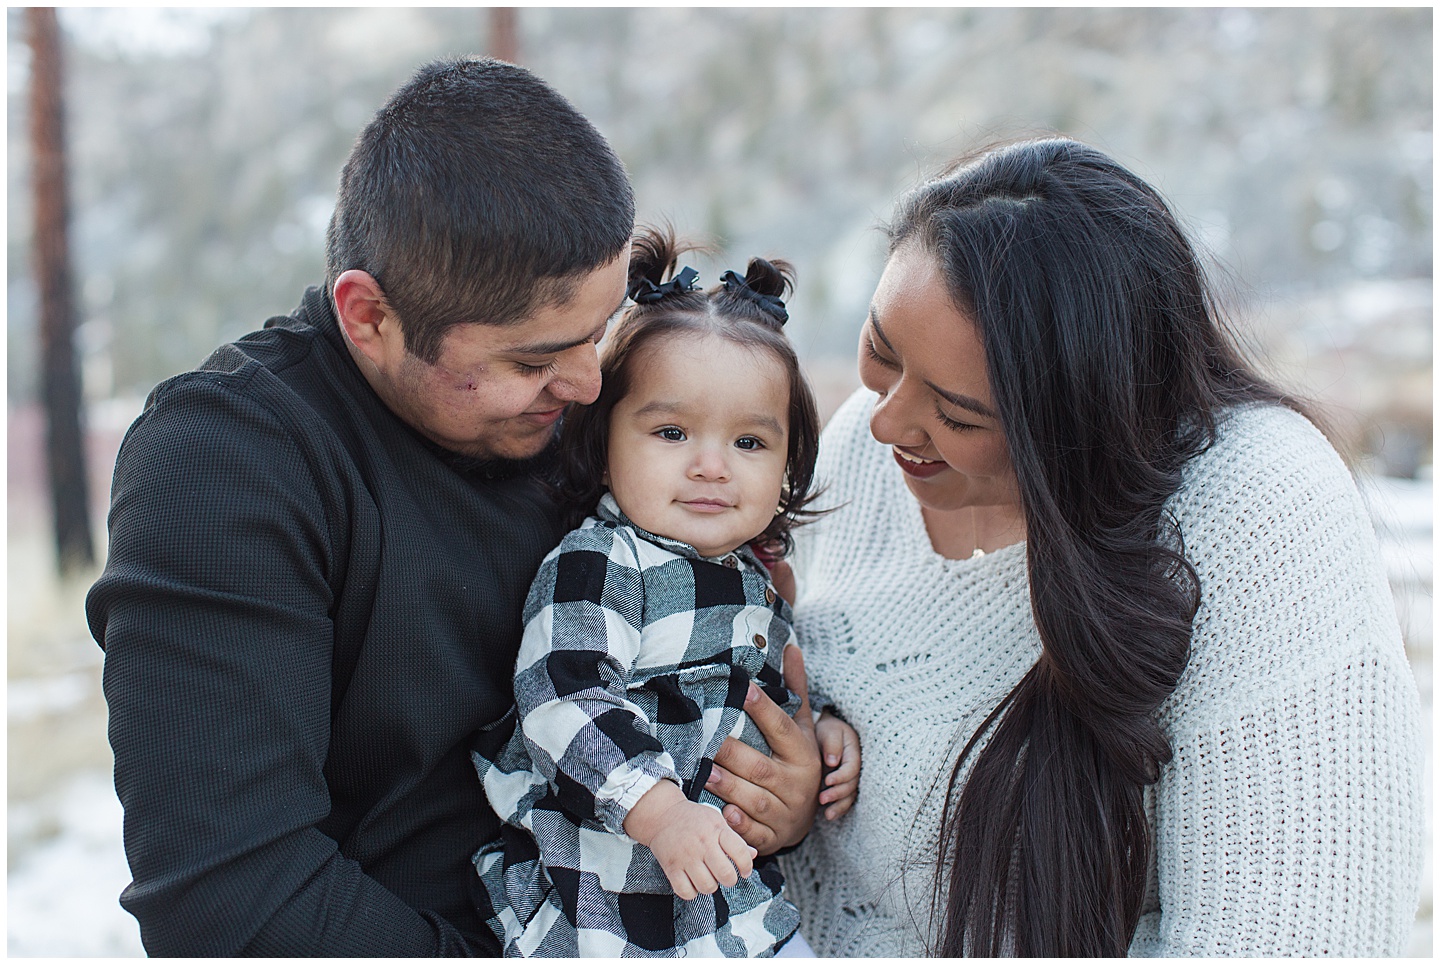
point(477, 194)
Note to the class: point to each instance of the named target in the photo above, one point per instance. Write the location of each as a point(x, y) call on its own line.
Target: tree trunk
point(60, 378)
point(504, 35)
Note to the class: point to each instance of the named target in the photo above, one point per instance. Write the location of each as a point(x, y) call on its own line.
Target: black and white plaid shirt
point(634, 667)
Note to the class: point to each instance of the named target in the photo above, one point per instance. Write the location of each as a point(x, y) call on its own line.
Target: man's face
point(496, 391)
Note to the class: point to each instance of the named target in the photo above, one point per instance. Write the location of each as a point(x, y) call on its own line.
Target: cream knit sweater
point(1289, 821)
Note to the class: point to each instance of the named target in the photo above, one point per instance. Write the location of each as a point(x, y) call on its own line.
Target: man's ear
point(366, 318)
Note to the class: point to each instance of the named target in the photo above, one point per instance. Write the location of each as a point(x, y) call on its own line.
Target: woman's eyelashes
point(953, 424)
point(875, 355)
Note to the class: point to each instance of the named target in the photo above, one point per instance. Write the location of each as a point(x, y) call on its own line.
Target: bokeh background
point(205, 146)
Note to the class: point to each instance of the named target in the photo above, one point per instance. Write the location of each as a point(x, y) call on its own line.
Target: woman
point(1105, 608)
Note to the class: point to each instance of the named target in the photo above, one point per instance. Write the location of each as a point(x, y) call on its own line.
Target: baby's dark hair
point(748, 312)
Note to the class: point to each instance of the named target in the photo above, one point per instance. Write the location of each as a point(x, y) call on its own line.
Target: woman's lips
point(915, 466)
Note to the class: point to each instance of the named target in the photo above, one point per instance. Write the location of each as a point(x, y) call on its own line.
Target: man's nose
point(579, 378)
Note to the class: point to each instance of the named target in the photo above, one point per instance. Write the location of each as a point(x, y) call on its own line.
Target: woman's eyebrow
point(954, 398)
point(875, 324)
point(964, 401)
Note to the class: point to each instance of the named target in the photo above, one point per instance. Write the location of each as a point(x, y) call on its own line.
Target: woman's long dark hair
point(1110, 369)
point(749, 314)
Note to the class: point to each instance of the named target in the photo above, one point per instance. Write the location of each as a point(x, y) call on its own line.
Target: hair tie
point(769, 304)
point(643, 291)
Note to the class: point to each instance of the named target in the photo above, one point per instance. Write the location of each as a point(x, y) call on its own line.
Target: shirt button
point(769, 595)
point(731, 562)
point(759, 641)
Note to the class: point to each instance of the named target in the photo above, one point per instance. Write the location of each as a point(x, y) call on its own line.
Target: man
point(321, 542)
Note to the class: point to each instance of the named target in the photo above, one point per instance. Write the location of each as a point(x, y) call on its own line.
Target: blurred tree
point(504, 35)
point(60, 380)
point(203, 173)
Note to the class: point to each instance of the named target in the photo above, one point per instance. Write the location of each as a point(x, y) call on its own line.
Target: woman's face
point(926, 361)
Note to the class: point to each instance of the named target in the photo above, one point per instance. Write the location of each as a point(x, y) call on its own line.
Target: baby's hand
point(840, 754)
point(697, 849)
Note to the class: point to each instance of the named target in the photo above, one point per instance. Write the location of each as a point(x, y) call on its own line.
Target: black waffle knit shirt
point(309, 614)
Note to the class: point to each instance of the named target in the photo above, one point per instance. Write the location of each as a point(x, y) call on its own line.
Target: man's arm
point(772, 800)
point(214, 611)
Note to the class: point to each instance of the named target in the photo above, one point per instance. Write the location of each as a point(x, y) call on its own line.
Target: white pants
point(796, 947)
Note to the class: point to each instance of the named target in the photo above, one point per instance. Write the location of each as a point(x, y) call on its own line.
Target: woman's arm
point(1289, 820)
point(1292, 826)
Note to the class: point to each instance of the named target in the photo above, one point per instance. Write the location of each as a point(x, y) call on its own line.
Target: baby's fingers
point(702, 877)
point(837, 801)
point(722, 869)
point(738, 852)
point(832, 744)
point(839, 790)
point(849, 770)
point(680, 882)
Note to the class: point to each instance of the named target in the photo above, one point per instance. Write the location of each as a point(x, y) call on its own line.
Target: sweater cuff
point(820, 702)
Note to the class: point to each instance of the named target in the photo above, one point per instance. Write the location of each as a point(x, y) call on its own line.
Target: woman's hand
point(772, 800)
point(840, 747)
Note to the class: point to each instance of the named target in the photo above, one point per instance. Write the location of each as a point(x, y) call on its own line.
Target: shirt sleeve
point(582, 638)
point(214, 613)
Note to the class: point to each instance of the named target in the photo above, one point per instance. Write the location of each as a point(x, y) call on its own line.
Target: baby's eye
point(672, 434)
point(749, 442)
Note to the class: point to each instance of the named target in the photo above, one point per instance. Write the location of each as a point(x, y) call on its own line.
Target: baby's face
point(698, 445)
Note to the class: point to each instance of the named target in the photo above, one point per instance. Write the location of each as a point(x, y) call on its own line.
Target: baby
point(645, 629)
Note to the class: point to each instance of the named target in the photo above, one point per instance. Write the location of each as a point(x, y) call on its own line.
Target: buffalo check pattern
point(633, 669)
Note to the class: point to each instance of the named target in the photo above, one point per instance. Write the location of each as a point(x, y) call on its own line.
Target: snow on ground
point(63, 895)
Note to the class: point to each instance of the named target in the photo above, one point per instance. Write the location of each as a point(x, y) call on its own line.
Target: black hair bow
point(643, 291)
point(770, 304)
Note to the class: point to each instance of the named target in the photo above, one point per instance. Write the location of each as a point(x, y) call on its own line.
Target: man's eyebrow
point(954, 398)
point(555, 348)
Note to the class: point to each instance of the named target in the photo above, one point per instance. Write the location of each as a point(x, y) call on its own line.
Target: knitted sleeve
point(1288, 822)
point(835, 469)
point(591, 743)
point(1289, 826)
